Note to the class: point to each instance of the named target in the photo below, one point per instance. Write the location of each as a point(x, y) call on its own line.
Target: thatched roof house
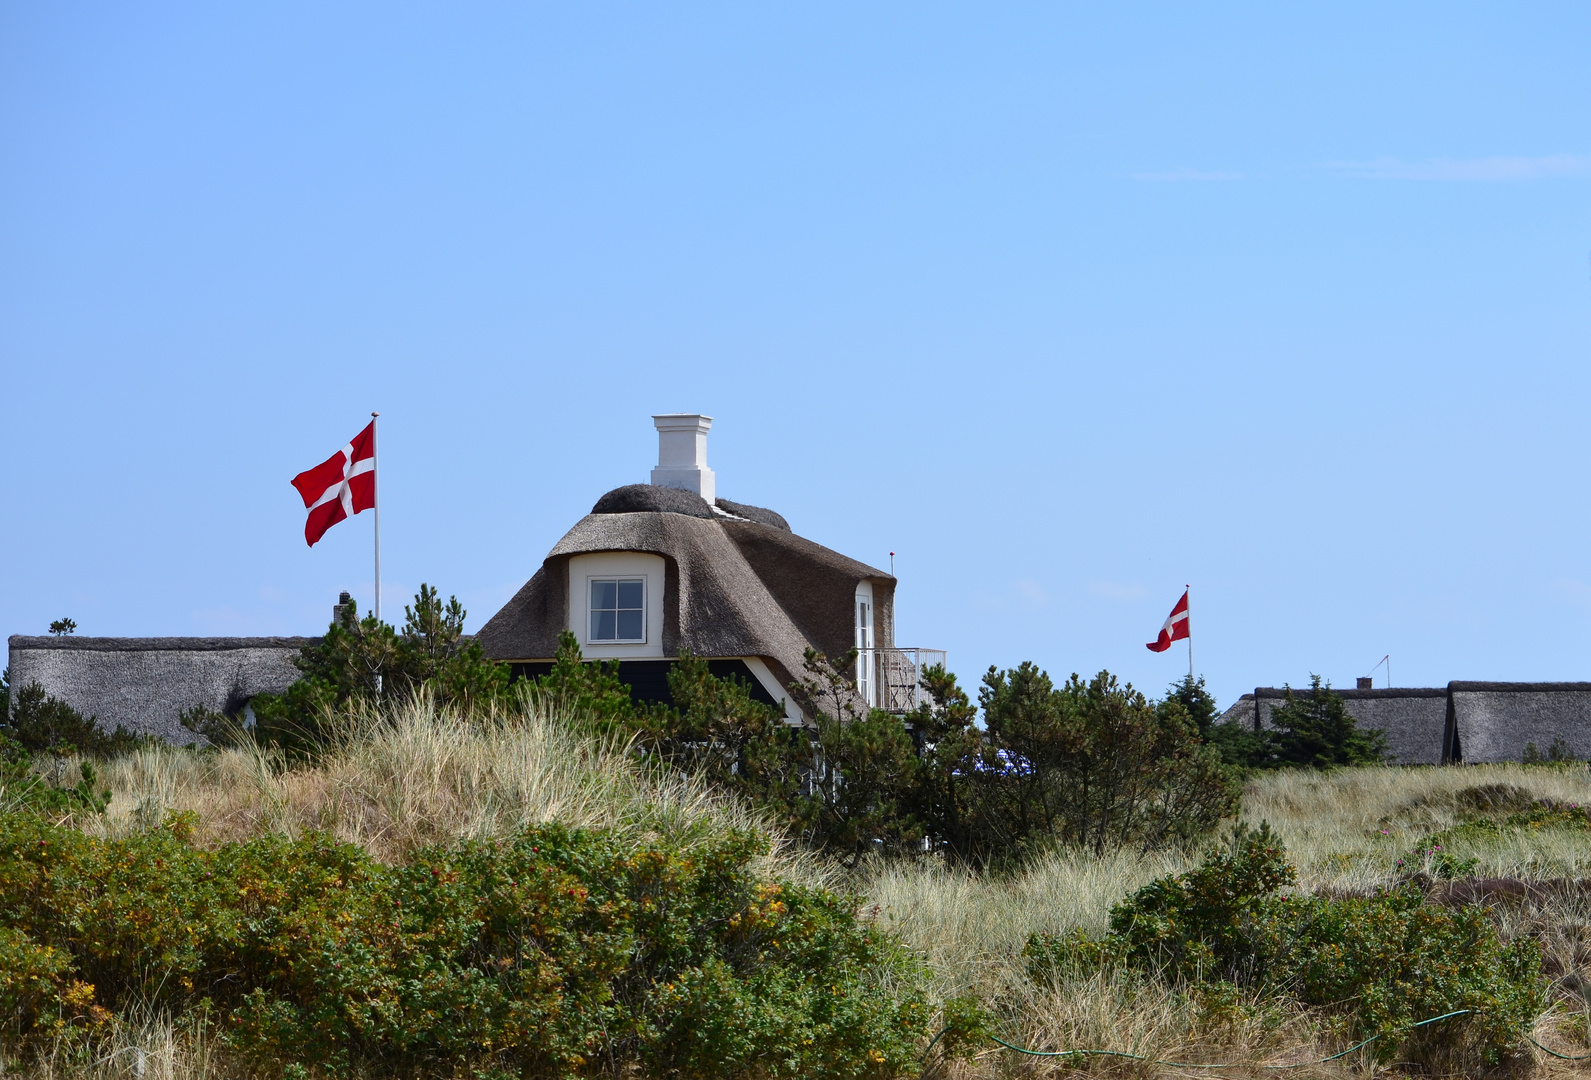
point(655, 569)
point(145, 684)
point(1492, 721)
point(1463, 722)
point(659, 568)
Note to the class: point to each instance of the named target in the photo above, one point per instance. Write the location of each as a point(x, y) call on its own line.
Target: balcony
point(890, 679)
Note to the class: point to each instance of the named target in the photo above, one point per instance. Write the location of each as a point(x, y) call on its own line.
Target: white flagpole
point(1189, 588)
point(375, 494)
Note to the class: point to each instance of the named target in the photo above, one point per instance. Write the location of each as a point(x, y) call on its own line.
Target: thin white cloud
point(1112, 590)
point(1185, 175)
point(1032, 594)
point(1482, 169)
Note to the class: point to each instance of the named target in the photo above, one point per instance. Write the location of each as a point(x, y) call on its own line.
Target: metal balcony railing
point(894, 676)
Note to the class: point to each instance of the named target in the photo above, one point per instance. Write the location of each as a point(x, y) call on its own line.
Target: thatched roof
point(758, 514)
point(144, 684)
point(736, 586)
point(1468, 722)
point(1491, 721)
point(1412, 717)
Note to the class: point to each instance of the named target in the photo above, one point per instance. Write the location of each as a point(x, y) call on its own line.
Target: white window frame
point(591, 612)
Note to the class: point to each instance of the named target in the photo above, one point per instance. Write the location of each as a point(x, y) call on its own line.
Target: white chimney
point(682, 453)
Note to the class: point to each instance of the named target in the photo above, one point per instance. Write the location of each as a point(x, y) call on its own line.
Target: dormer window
point(618, 610)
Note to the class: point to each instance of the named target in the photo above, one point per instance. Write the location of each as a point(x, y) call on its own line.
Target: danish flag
point(1176, 627)
point(341, 486)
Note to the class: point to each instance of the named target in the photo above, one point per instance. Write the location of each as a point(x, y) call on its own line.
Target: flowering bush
point(555, 953)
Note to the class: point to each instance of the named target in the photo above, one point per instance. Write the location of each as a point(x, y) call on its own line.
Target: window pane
point(603, 627)
point(603, 594)
point(630, 593)
point(630, 626)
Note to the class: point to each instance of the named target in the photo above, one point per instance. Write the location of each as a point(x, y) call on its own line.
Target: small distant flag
point(1176, 627)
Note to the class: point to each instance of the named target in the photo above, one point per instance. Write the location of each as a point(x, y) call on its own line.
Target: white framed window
point(617, 610)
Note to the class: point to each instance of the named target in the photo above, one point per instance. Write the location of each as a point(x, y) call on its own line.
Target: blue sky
point(1068, 307)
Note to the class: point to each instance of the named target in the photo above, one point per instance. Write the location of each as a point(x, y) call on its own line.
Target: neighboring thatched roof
point(1240, 712)
point(1470, 722)
point(143, 684)
point(734, 588)
point(1491, 721)
point(1412, 717)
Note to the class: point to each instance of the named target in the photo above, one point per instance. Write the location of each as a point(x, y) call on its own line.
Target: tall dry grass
point(415, 774)
point(1346, 829)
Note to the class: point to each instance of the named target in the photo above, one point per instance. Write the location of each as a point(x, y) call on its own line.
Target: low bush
point(24, 789)
point(366, 660)
point(39, 723)
point(556, 952)
point(1379, 964)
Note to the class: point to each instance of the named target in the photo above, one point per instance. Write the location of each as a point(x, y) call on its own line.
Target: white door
point(866, 684)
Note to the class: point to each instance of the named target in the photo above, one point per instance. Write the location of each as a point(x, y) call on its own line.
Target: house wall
point(144, 684)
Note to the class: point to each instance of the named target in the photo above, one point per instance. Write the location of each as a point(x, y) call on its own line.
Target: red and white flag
point(1176, 627)
point(341, 486)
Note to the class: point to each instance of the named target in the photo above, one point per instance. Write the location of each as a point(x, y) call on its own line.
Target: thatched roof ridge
point(761, 515)
point(652, 499)
point(73, 643)
point(1521, 687)
point(1383, 692)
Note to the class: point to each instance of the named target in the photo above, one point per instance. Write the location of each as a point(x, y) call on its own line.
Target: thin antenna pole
point(375, 495)
point(1189, 588)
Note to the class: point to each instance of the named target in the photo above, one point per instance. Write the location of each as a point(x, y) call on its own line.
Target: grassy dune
point(1344, 830)
point(418, 776)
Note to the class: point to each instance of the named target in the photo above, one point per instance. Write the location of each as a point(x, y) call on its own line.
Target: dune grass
point(1343, 829)
point(416, 775)
point(413, 775)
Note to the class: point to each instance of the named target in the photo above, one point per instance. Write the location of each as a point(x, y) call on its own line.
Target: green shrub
point(1399, 960)
point(39, 999)
point(1316, 730)
point(23, 789)
point(1434, 855)
point(719, 732)
point(558, 951)
point(1378, 963)
point(42, 724)
point(1095, 764)
point(591, 691)
point(1559, 754)
point(366, 659)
